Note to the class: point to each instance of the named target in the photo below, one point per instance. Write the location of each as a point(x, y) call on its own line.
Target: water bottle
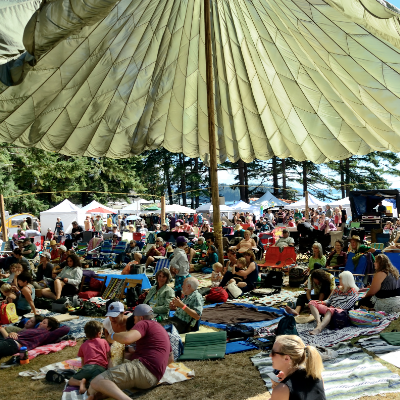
point(23, 355)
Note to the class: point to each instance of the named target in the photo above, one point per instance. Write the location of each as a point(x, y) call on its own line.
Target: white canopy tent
point(94, 204)
point(242, 206)
point(178, 209)
point(313, 202)
point(66, 211)
point(268, 200)
point(208, 208)
point(345, 203)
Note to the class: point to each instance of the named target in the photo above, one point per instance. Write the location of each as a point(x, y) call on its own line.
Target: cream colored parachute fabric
point(311, 79)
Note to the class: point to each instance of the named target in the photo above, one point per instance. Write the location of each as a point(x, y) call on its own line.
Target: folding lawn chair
point(358, 272)
point(161, 263)
point(394, 258)
point(81, 248)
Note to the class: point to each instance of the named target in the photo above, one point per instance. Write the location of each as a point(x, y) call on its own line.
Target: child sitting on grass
point(216, 276)
point(94, 353)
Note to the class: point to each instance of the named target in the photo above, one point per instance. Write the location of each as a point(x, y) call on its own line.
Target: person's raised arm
point(125, 337)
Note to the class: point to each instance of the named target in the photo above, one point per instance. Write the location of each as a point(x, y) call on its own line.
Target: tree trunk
point(192, 184)
point(183, 179)
point(241, 180)
point(167, 179)
point(347, 170)
point(284, 191)
point(196, 171)
point(342, 187)
point(84, 198)
point(246, 182)
point(304, 178)
point(275, 176)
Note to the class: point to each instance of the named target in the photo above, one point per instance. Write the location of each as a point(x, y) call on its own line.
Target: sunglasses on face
point(273, 353)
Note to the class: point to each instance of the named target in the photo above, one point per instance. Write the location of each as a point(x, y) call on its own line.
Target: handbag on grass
point(234, 290)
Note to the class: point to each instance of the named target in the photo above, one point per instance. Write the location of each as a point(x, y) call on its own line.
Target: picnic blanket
point(351, 375)
point(249, 324)
point(261, 297)
point(74, 363)
point(77, 325)
point(50, 348)
point(329, 338)
point(175, 372)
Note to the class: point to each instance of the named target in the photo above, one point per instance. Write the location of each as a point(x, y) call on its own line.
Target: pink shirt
point(153, 348)
point(95, 351)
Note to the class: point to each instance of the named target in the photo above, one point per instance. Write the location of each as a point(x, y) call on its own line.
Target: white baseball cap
point(114, 309)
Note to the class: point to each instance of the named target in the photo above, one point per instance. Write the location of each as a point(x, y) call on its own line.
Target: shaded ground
point(234, 378)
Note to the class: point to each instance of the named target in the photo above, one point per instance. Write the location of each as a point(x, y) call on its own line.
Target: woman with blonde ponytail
point(300, 369)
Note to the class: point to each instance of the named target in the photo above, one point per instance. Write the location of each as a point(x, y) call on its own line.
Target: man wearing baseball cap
point(147, 364)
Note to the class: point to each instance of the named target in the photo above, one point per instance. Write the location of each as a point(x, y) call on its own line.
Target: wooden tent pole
point(162, 209)
point(3, 219)
point(306, 204)
point(217, 227)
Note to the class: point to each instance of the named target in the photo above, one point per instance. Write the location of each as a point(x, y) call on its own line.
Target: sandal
point(55, 377)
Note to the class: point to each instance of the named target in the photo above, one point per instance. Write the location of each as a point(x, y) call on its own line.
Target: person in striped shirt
point(342, 298)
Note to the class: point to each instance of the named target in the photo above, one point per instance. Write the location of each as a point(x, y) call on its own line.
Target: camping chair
point(119, 249)
point(358, 272)
point(128, 236)
point(383, 238)
point(355, 224)
point(245, 226)
point(394, 258)
point(267, 239)
point(81, 248)
point(129, 283)
point(137, 236)
point(161, 263)
point(275, 259)
point(92, 286)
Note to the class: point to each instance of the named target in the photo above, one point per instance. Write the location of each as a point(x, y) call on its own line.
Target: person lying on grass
point(47, 332)
point(94, 353)
point(32, 323)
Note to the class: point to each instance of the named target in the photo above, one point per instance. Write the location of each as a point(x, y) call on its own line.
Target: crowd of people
point(146, 345)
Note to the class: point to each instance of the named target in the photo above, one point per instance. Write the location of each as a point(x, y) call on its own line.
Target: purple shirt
point(32, 338)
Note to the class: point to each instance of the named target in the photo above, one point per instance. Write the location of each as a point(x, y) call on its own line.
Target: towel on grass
point(353, 374)
point(175, 372)
point(329, 338)
point(50, 348)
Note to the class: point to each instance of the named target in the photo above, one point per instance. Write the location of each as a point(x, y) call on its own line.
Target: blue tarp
point(142, 277)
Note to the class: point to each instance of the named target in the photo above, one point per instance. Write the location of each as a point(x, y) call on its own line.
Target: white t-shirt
point(107, 325)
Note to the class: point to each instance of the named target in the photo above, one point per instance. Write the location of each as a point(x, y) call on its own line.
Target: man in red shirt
point(148, 362)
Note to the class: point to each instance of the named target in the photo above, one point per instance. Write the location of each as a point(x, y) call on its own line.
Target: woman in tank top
point(300, 370)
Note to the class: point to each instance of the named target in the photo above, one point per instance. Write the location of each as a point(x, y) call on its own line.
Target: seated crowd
point(59, 273)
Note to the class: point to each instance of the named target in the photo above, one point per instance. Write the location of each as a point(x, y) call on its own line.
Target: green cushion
point(204, 346)
point(393, 338)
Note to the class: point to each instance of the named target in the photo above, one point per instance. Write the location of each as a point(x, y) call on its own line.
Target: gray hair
point(201, 238)
point(320, 251)
point(47, 255)
point(160, 239)
point(63, 248)
point(193, 282)
point(347, 281)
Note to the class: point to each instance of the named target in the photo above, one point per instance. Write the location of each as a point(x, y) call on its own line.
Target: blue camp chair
point(394, 258)
point(358, 272)
point(161, 263)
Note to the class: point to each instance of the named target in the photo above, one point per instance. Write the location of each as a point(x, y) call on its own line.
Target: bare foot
point(82, 386)
point(316, 331)
point(291, 311)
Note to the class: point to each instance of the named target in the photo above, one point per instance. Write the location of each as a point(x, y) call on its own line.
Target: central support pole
point(211, 135)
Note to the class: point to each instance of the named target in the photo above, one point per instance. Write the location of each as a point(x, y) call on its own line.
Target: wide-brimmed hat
point(355, 237)
point(237, 227)
point(52, 242)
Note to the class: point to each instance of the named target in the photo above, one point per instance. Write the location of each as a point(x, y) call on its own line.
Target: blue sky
point(395, 2)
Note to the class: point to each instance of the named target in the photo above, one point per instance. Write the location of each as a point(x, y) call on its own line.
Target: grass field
point(233, 378)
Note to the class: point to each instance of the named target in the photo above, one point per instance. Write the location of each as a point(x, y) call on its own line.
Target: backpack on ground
point(8, 314)
point(217, 295)
point(339, 320)
point(297, 276)
point(272, 280)
point(286, 326)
